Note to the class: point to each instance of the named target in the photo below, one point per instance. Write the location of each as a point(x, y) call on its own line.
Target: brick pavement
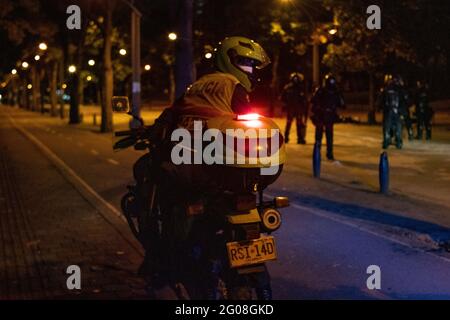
point(46, 225)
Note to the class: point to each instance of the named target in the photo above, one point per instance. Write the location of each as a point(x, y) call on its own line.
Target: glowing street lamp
point(91, 62)
point(25, 65)
point(123, 52)
point(43, 46)
point(332, 31)
point(37, 57)
point(147, 67)
point(64, 86)
point(208, 55)
point(72, 69)
point(29, 86)
point(172, 36)
point(14, 71)
point(89, 78)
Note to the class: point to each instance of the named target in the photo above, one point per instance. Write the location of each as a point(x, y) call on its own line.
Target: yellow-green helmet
point(234, 53)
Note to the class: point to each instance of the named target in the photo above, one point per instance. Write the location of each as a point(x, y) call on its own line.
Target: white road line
point(103, 207)
point(322, 214)
point(94, 152)
point(112, 161)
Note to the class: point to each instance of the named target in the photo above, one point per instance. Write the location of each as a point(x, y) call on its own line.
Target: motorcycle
point(204, 244)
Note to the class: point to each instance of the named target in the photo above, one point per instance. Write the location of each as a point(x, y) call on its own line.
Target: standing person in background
point(406, 114)
point(295, 104)
point(423, 111)
point(392, 102)
point(325, 102)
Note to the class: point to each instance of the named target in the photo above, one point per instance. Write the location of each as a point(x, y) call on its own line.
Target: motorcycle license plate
point(251, 252)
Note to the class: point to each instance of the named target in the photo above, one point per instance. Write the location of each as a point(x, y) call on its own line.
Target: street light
point(123, 52)
point(64, 86)
point(25, 65)
point(91, 62)
point(88, 78)
point(72, 69)
point(29, 86)
point(147, 67)
point(332, 31)
point(172, 36)
point(37, 57)
point(208, 55)
point(14, 71)
point(43, 46)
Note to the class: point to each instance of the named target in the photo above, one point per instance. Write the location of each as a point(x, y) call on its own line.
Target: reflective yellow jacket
point(209, 96)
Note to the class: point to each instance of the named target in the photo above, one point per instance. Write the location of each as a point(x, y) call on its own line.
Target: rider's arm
point(164, 124)
point(240, 102)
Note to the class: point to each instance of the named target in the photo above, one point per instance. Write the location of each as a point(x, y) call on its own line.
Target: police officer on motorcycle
point(393, 103)
point(237, 62)
point(223, 92)
point(325, 102)
point(423, 110)
point(296, 106)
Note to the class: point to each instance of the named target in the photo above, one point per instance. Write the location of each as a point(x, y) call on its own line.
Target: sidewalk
point(46, 226)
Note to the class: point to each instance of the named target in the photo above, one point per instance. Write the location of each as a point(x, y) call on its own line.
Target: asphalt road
point(336, 227)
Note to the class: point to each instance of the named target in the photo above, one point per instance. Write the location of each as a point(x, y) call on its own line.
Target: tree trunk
point(316, 64)
point(36, 89)
point(53, 87)
point(15, 92)
point(61, 70)
point(184, 55)
point(172, 84)
point(108, 80)
point(23, 95)
point(81, 90)
point(372, 107)
point(41, 75)
point(274, 82)
point(74, 112)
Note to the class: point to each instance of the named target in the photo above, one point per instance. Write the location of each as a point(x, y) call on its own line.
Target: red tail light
point(248, 116)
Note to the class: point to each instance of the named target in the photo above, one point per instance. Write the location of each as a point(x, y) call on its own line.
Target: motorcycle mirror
point(120, 104)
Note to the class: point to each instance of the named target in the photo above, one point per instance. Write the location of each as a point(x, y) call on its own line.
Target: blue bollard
point(316, 160)
point(384, 173)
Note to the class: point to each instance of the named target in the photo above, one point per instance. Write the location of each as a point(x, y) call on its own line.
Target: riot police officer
point(296, 106)
point(325, 102)
point(392, 102)
point(405, 110)
point(423, 110)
